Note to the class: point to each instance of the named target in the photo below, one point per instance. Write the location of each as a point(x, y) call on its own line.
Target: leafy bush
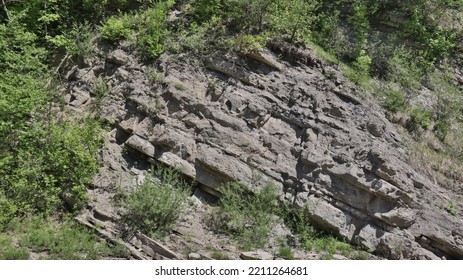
point(248, 16)
point(436, 42)
point(361, 26)
point(116, 28)
point(204, 10)
point(81, 38)
point(245, 216)
point(246, 43)
point(406, 69)
point(153, 29)
point(362, 69)
point(394, 100)
point(420, 119)
point(155, 205)
point(331, 35)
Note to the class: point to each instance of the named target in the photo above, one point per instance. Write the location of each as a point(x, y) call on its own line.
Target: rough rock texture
point(291, 120)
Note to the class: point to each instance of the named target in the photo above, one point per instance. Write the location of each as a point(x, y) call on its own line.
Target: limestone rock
point(194, 256)
point(255, 119)
point(266, 58)
point(118, 57)
point(141, 145)
point(256, 255)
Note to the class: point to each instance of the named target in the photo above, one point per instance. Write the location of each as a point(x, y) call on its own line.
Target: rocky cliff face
point(280, 115)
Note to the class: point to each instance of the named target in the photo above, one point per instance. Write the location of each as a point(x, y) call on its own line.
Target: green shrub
point(362, 68)
point(246, 43)
point(154, 206)
point(406, 69)
point(420, 118)
point(394, 100)
point(156, 77)
point(116, 28)
point(153, 29)
point(204, 10)
point(81, 39)
point(435, 41)
point(245, 216)
point(247, 16)
point(361, 26)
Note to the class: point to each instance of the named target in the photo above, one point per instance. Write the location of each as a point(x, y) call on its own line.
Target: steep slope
point(281, 115)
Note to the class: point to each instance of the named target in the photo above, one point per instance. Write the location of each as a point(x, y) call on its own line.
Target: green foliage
point(406, 69)
point(152, 29)
point(66, 240)
point(436, 42)
point(285, 253)
point(448, 102)
point(314, 240)
point(199, 39)
point(292, 18)
point(204, 10)
point(116, 28)
point(180, 87)
point(451, 208)
point(154, 206)
point(420, 119)
point(50, 162)
point(245, 216)
point(246, 43)
point(247, 15)
point(42, 160)
point(9, 252)
point(216, 255)
point(156, 77)
point(100, 89)
point(331, 35)
point(361, 25)
point(394, 100)
point(362, 68)
point(80, 39)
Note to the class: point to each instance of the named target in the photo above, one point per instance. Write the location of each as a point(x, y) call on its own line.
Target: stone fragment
point(266, 58)
point(194, 256)
point(118, 57)
point(141, 145)
point(256, 255)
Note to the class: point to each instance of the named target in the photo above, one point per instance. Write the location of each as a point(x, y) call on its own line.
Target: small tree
point(249, 15)
point(292, 17)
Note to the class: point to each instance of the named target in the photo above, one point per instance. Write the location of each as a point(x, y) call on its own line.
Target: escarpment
point(281, 115)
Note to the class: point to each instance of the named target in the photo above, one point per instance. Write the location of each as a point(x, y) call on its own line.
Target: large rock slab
point(327, 149)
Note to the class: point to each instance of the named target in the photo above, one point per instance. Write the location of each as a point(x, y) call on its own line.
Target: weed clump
point(246, 216)
point(154, 207)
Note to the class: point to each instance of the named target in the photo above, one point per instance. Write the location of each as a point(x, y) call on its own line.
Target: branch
point(6, 10)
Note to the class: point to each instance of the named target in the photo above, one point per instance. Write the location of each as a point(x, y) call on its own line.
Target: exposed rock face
point(293, 121)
